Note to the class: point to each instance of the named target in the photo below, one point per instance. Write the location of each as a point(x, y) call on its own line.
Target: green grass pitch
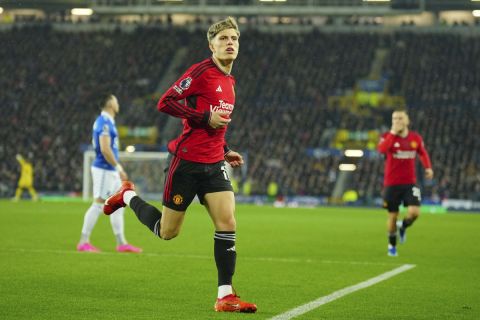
point(286, 257)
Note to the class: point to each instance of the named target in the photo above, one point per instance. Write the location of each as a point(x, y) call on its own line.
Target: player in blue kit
point(107, 174)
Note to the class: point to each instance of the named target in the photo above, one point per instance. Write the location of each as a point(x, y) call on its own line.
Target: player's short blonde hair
point(229, 23)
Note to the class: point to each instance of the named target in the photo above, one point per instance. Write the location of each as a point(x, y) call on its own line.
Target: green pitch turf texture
point(286, 257)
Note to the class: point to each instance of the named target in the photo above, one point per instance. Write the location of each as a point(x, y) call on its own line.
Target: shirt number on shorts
point(416, 193)
point(224, 170)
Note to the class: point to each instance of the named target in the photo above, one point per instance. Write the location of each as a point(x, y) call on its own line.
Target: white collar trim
point(106, 114)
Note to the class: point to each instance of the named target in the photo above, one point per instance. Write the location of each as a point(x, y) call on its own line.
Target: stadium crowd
point(283, 83)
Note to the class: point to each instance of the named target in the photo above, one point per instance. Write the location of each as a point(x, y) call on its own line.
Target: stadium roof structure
point(248, 7)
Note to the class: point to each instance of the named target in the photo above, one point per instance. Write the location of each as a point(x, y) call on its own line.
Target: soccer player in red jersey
point(400, 147)
point(198, 155)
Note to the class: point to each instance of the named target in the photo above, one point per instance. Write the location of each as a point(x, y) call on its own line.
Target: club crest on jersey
point(185, 83)
point(414, 144)
point(396, 145)
point(177, 199)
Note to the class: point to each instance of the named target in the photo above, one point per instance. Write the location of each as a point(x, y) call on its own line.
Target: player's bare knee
point(414, 213)
point(227, 224)
point(168, 234)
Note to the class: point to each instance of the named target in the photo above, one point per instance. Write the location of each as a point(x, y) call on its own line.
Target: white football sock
point(224, 290)
point(127, 196)
point(117, 222)
point(90, 220)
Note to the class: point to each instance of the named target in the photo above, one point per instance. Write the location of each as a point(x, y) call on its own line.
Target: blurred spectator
point(281, 110)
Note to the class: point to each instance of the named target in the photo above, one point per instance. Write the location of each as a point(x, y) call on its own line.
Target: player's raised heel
point(115, 202)
point(232, 303)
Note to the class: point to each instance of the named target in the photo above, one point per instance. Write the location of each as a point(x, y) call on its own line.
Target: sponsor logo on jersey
point(414, 144)
point(405, 154)
point(222, 107)
point(177, 199)
point(219, 89)
point(185, 83)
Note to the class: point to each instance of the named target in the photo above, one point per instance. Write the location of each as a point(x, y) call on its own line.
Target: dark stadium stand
point(283, 83)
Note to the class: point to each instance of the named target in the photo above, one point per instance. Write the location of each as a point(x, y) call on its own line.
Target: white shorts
point(105, 182)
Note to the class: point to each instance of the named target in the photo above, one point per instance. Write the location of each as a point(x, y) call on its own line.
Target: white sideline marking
point(340, 293)
point(203, 257)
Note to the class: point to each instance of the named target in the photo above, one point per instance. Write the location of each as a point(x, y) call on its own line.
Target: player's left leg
point(33, 193)
point(221, 208)
point(413, 212)
point(412, 201)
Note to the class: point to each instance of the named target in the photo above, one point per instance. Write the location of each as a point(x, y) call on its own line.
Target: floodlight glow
point(1, 10)
point(354, 153)
point(476, 13)
point(130, 149)
point(347, 167)
point(82, 11)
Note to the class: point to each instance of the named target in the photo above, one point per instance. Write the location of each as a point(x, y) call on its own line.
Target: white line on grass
point(340, 293)
point(194, 256)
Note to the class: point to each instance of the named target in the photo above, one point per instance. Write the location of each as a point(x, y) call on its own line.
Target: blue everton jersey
point(104, 126)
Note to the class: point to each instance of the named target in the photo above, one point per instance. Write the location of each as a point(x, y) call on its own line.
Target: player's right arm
point(425, 159)
point(187, 86)
point(107, 152)
point(386, 142)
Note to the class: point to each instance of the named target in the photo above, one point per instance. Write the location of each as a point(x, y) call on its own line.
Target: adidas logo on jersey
point(219, 89)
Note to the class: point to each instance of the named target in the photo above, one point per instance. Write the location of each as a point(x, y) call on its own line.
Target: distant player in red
point(198, 155)
point(400, 147)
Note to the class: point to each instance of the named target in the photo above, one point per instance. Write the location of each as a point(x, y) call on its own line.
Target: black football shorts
point(186, 179)
point(408, 194)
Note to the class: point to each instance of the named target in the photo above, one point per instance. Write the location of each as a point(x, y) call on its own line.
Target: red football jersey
point(401, 154)
point(205, 88)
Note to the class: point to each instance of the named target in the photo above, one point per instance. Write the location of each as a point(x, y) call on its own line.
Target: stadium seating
point(283, 82)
